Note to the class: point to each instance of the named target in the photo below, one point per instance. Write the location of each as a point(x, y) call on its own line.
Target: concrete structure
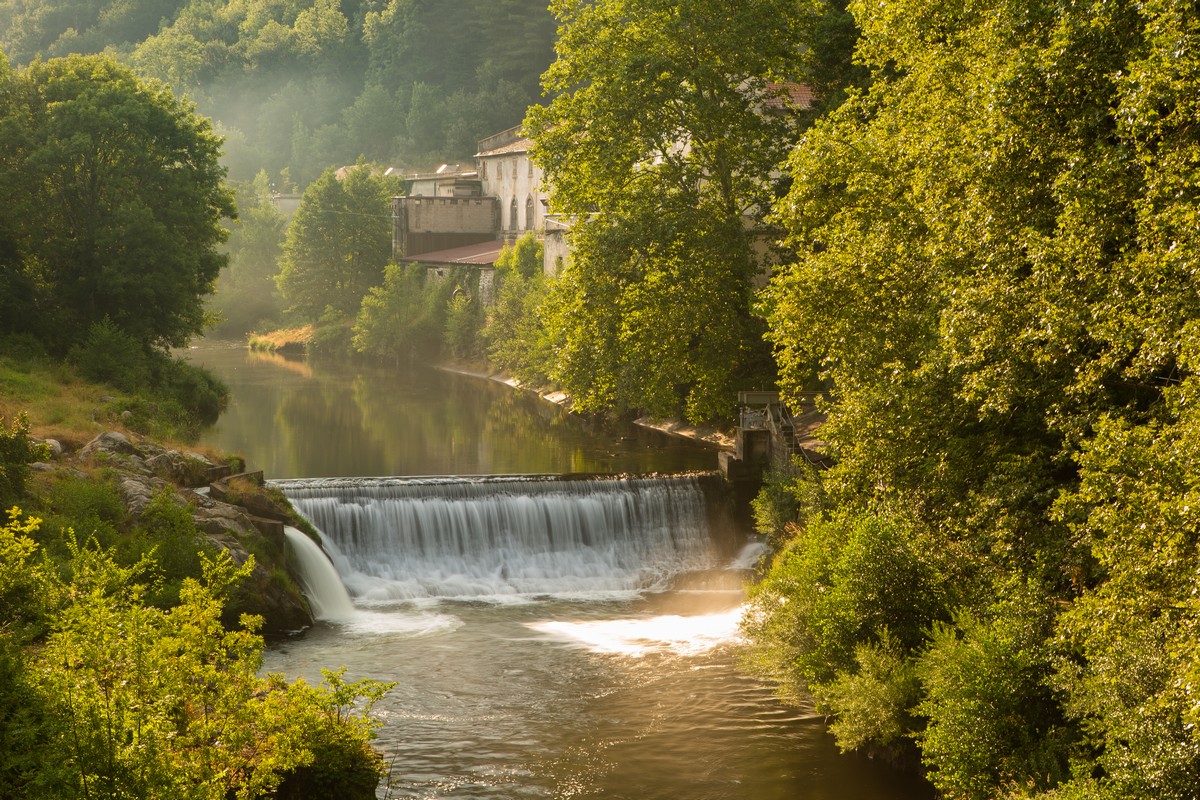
point(427, 224)
point(450, 180)
point(556, 243)
point(508, 174)
point(479, 258)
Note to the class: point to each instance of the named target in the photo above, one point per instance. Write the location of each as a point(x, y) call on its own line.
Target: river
point(543, 664)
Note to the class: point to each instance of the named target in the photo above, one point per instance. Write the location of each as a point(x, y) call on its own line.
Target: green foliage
point(180, 393)
point(338, 243)
point(463, 323)
point(523, 258)
point(125, 700)
point(872, 705)
point(405, 317)
point(116, 198)
point(840, 584)
point(110, 355)
point(654, 308)
point(167, 536)
point(17, 452)
point(994, 251)
point(298, 86)
point(789, 494)
point(1134, 659)
point(993, 721)
point(517, 336)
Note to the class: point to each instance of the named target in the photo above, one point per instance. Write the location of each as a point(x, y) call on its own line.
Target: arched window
point(529, 213)
point(512, 215)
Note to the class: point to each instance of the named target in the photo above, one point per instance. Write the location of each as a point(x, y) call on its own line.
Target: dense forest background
point(297, 86)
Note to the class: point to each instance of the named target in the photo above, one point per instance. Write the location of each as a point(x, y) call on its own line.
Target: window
point(512, 215)
point(515, 167)
point(529, 213)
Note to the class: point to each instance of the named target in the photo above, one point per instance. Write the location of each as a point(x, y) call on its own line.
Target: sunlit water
point(612, 690)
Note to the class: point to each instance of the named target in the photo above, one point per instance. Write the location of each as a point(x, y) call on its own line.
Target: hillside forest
point(980, 246)
point(297, 86)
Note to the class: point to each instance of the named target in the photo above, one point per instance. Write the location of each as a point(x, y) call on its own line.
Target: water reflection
point(325, 419)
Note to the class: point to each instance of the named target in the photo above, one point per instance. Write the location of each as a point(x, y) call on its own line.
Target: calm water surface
point(619, 695)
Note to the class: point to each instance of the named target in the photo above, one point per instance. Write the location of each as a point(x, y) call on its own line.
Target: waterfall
point(398, 539)
point(320, 581)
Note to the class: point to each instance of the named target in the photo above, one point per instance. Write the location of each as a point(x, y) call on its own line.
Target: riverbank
point(719, 439)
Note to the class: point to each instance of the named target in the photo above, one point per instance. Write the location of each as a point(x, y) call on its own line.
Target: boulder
point(145, 470)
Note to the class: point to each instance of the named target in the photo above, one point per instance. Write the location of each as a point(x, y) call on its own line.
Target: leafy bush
point(841, 614)
point(110, 355)
point(405, 317)
point(463, 322)
point(872, 706)
point(516, 336)
point(17, 452)
point(993, 720)
point(126, 700)
point(200, 394)
point(167, 535)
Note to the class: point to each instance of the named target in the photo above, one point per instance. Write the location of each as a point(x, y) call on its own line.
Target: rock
point(182, 469)
point(56, 448)
point(145, 470)
point(137, 490)
point(109, 443)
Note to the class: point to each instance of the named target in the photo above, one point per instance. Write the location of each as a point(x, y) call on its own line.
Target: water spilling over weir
point(407, 539)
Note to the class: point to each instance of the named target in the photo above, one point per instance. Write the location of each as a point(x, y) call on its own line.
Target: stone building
point(508, 174)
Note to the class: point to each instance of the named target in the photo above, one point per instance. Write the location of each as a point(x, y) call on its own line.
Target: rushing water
point(548, 639)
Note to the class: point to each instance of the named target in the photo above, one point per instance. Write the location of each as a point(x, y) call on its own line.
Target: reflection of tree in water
point(335, 419)
point(520, 417)
point(423, 422)
point(321, 424)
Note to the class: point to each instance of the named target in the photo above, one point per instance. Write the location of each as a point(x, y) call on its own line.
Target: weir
point(406, 539)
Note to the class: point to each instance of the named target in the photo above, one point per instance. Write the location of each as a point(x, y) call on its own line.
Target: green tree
point(994, 252)
point(119, 197)
point(405, 317)
point(660, 139)
point(337, 244)
point(517, 337)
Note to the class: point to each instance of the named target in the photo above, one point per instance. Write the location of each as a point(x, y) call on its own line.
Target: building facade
point(507, 173)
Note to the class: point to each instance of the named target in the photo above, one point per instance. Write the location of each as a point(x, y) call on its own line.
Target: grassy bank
point(61, 404)
point(284, 340)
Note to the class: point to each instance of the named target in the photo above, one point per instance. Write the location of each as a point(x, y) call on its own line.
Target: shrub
point(110, 355)
point(200, 394)
point(463, 322)
point(993, 721)
point(17, 452)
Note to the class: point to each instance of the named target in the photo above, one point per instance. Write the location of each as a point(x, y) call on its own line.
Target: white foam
point(636, 637)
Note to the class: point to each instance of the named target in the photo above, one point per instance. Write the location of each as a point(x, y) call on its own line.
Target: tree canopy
point(665, 125)
point(298, 86)
point(338, 243)
point(995, 272)
point(114, 203)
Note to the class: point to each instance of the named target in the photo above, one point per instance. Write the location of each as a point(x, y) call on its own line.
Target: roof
point(521, 145)
point(797, 96)
point(481, 254)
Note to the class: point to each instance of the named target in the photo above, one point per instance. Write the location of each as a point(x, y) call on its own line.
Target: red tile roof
point(483, 254)
point(797, 96)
